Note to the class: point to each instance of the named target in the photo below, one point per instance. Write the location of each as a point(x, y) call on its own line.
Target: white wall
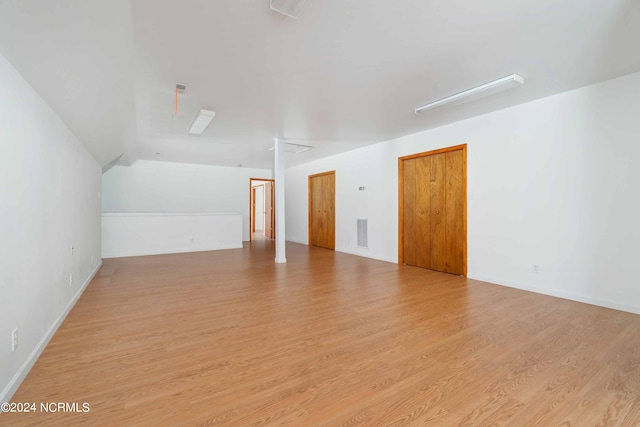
point(134, 234)
point(49, 188)
point(149, 186)
point(553, 182)
point(259, 207)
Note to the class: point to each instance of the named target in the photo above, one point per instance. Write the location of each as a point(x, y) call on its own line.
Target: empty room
point(319, 213)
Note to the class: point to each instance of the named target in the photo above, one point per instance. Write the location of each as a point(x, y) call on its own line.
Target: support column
point(278, 175)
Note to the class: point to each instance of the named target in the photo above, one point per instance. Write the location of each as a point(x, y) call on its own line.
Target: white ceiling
point(79, 56)
point(346, 74)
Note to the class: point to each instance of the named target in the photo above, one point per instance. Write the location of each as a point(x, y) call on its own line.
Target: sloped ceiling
point(347, 73)
point(79, 56)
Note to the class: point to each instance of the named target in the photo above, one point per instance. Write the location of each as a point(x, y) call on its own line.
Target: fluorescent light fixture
point(291, 8)
point(495, 86)
point(201, 122)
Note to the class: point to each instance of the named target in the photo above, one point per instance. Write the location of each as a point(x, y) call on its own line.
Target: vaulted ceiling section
point(347, 73)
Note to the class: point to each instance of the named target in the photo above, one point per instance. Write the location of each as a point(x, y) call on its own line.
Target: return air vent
point(363, 233)
point(291, 8)
point(290, 147)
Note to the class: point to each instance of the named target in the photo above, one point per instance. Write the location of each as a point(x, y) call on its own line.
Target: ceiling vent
point(291, 8)
point(290, 147)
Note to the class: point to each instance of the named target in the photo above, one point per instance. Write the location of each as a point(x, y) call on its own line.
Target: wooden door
point(455, 244)
point(322, 219)
point(432, 208)
point(436, 212)
point(254, 211)
point(269, 211)
point(411, 206)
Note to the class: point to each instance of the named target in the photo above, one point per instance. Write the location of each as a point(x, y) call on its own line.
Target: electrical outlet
point(14, 340)
point(71, 250)
point(70, 279)
point(535, 268)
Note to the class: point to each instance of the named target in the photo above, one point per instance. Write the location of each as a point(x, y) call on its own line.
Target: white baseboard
point(362, 253)
point(559, 294)
point(297, 241)
point(19, 377)
point(365, 254)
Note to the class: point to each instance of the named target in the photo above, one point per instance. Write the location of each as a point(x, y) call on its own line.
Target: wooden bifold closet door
point(433, 210)
point(322, 215)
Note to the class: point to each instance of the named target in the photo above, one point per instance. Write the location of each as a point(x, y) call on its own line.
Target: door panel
point(409, 211)
point(331, 211)
point(253, 212)
point(454, 213)
point(433, 215)
point(422, 235)
point(322, 210)
point(316, 191)
point(438, 245)
point(322, 203)
point(268, 208)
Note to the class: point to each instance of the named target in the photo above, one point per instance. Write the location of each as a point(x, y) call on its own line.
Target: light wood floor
point(230, 338)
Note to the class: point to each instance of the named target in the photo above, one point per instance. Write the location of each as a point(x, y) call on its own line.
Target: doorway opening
point(262, 209)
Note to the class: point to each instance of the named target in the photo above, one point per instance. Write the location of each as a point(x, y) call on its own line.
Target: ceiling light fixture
point(291, 8)
point(201, 122)
point(495, 86)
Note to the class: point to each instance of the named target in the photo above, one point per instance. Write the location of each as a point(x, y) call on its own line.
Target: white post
point(278, 175)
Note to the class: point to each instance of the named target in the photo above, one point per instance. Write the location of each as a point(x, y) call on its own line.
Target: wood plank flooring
point(231, 338)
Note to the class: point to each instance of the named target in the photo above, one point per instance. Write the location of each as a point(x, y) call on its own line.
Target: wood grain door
point(269, 211)
point(322, 219)
point(411, 207)
point(254, 211)
point(455, 218)
point(432, 195)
